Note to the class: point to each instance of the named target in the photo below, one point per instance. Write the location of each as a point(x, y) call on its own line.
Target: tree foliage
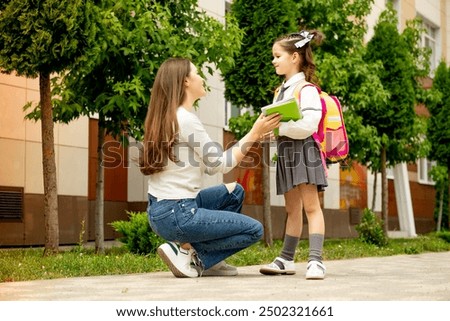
point(440, 176)
point(43, 36)
point(439, 121)
point(39, 38)
point(340, 61)
point(343, 69)
point(404, 63)
point(401, 130)
point(135, 37)
point(438, 133)
point(252, 79)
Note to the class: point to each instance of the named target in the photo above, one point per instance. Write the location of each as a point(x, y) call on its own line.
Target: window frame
point(425, 165)
point(431, 36)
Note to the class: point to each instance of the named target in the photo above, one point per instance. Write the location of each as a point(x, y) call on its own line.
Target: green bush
point(445, 235)
point(137, 235)
point(371, 229)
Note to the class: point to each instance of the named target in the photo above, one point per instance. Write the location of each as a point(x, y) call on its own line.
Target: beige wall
point(21, 159)
point(408, 11)
point(445, 17)
point(20, 143)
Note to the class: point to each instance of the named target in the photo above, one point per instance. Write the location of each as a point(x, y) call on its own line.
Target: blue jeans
point(211, 222)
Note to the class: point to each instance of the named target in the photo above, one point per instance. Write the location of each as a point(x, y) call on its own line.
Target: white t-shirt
point(310, 106)
point(195, 153)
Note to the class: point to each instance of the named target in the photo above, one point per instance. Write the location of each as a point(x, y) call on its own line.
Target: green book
point(288, 109)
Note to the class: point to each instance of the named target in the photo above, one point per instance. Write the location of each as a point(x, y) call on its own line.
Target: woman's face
point(195, 83)
point(285, 63)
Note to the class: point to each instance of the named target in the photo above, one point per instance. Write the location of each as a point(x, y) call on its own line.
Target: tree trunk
point(268, 237)
point(441, 204)
point(384, 190)
point(374, 193)
point(99, 197)
point(49, 168)
point(448, 173)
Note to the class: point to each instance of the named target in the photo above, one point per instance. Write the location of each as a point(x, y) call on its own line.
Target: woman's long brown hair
point(161, 125)
point(307, 65)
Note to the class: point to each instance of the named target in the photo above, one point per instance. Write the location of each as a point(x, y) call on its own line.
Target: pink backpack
point(331, 135)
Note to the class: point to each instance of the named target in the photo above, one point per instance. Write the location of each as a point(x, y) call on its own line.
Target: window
point(228, 5)
point(424, 167)
point(230, 111)
point(430, 40)
point(390, 172)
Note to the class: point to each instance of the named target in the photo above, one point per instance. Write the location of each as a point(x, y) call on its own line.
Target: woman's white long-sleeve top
point(196, 153)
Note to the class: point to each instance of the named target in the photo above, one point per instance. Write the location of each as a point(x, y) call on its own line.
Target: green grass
point(30, 264)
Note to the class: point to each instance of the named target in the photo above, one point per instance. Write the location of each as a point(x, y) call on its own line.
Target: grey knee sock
point(315, 247)
point(289, 246)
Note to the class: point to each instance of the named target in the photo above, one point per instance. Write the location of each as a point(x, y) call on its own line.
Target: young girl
point(203, 227)
point(300, 173)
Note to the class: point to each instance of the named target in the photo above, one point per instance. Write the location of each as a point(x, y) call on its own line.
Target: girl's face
point(195, 83)
point(285, 64)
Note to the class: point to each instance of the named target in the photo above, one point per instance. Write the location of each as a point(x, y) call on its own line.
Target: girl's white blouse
point(310, 106)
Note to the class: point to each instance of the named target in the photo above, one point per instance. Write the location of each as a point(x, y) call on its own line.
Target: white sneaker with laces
point(178, 260)
point(288, 267)
point(315, 270)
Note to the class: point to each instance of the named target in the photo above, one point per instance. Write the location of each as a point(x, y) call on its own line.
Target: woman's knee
point(252, 227)
point(258, 230)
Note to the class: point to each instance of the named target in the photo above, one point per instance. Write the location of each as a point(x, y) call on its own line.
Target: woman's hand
point(264, 125)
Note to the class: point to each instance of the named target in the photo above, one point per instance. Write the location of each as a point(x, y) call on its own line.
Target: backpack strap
point(297, 90)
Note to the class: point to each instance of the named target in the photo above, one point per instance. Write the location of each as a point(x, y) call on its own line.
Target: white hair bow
point(306, 38)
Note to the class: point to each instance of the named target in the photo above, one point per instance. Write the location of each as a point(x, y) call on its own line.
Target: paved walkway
point(423, 277)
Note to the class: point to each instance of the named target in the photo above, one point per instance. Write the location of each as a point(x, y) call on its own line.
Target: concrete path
point(423, 277)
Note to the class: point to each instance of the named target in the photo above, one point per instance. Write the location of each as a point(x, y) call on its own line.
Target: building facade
point(21, 181)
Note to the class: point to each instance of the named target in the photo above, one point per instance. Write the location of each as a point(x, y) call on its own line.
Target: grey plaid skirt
point(299, 162)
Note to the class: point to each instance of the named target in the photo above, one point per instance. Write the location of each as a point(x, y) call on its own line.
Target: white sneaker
point(221, 269)
point(178, 260)
point(288, 267)
point(315, 270)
